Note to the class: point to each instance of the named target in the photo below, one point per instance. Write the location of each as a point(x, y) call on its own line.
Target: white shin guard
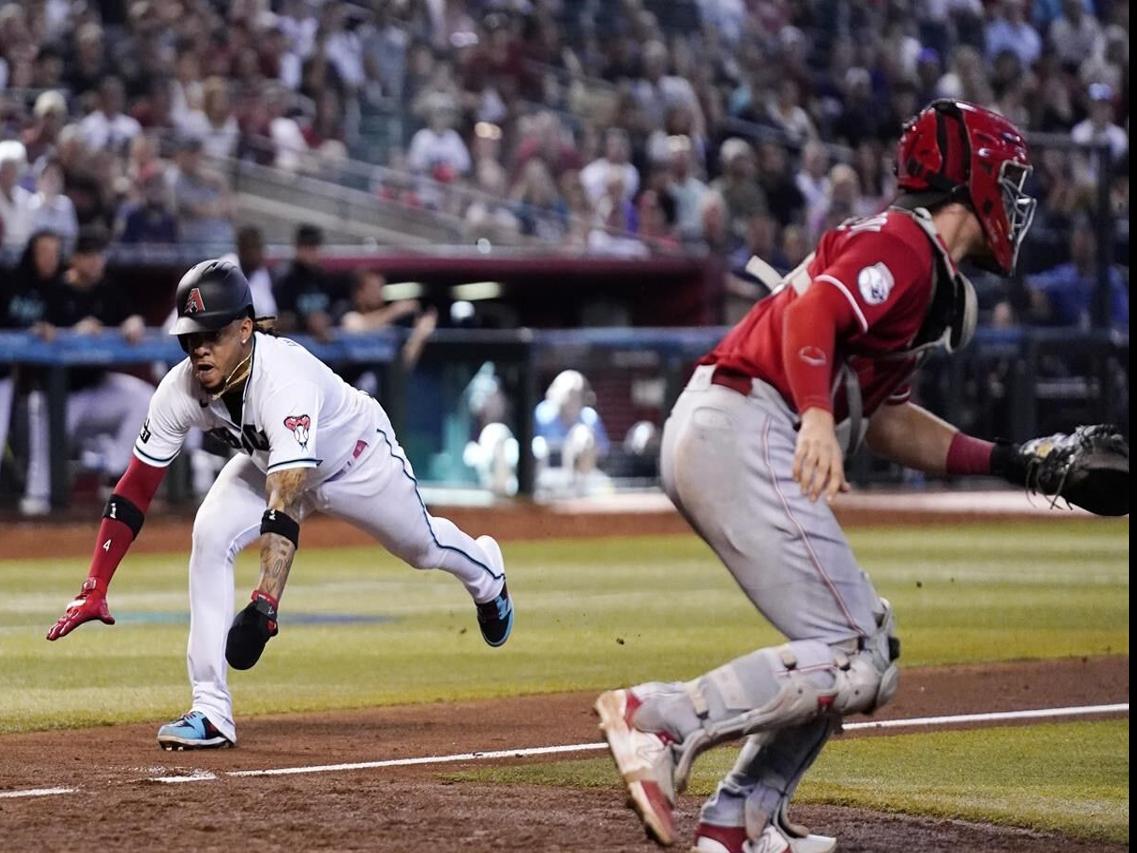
point(769, 689)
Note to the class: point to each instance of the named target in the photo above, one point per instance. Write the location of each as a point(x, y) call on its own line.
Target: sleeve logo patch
point(875, 283)
point(299, 426)
point(144, 434)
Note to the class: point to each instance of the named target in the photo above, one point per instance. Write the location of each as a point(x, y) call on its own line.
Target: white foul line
point(587, 747)
point(913, 722)
point(993, 717)
point(36, 792)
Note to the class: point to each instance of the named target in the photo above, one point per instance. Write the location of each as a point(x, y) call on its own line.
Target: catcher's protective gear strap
point(856, 684)
point(123, 509)
point(281, 523)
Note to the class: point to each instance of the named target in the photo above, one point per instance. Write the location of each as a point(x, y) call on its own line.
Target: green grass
point(591, 614)
point(1071, 778)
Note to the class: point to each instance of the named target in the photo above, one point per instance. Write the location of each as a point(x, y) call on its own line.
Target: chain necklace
point(239, 374)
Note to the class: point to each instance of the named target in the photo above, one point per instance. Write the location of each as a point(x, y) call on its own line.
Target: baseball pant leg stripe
point(804, 536)
point(427, 516)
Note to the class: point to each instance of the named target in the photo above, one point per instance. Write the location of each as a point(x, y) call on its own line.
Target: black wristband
point(124, 510)
point(1008, 462)
point(279, 522)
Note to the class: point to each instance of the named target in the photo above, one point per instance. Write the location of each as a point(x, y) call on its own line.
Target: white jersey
point(296, 413)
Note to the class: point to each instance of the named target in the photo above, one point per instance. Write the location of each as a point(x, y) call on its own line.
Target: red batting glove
point(90, 603)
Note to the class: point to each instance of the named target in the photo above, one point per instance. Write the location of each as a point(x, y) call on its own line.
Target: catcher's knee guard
point(778, 687)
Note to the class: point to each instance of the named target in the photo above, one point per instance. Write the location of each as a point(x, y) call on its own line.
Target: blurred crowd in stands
point(620, 126)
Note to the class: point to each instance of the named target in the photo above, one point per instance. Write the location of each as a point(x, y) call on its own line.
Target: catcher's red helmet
point(977, 157)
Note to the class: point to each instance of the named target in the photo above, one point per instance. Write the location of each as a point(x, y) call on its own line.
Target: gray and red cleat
point(781, 836)
point(644, 759)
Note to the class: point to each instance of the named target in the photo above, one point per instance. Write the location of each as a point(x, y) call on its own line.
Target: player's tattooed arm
point(277, 551)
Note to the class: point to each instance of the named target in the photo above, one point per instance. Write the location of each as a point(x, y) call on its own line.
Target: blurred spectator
point(787, 113)
point(492, 450)
point(104, 410)
point(150, 220)
point(568, 431)
point(186, 87)
point(812, 179)
point(684, 187)
point(538, 206)
point(784, 199)
point(23, 305)
point(1099, 128)
point(743, 195)
point(599, 175)
point(384, 46)
point(655, 220)
point(1075, 35)
point(657, 92)
point(966, 79)
point(49, 209)
point(1064, 295)
point(437, 150)
point(842, 201)
point(15, 201)
point(487, 216)
point(545, 138)
point(714, 219)
point(251, 259)
point(214, 124)
point(49, 116)
point(369, 311)
point(878, 185)
point(201, 199)
point(1009, 30)
point(795, 245)
point(615, 220)
point(306, 295)
point(860, 118)
point(87, 67)
point(761, 241)
point(23, 300)
point(107, 126)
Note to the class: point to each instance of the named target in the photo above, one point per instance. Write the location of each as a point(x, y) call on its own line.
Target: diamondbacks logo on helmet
point(299, 425)
point(194, 302)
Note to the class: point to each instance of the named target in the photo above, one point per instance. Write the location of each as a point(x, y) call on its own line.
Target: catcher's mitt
point(251, 630)
point(1088, 468)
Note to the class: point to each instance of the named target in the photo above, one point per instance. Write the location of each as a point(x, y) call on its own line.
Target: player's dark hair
point(265, 325)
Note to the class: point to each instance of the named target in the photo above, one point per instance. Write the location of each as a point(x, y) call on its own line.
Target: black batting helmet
point(210, 296)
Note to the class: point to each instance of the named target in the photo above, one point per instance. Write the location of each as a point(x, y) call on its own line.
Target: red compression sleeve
point(809, 340)
point(968, 455)
point(138, 486)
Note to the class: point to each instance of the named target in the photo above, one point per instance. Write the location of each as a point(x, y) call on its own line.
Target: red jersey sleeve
point(882, 275)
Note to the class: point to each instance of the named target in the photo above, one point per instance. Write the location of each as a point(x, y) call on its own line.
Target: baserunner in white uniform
point(311, 443)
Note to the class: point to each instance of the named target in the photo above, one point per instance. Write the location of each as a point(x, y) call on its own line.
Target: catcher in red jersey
point(754, 451)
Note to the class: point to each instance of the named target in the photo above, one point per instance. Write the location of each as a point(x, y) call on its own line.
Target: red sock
point(968, 455)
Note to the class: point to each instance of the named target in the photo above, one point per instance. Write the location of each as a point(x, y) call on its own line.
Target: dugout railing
point(1014, 383)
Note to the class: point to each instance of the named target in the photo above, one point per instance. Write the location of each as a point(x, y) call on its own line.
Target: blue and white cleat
point(192, 731)
point(495, 617)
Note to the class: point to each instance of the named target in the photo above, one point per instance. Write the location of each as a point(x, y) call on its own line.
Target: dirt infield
point(118, 803)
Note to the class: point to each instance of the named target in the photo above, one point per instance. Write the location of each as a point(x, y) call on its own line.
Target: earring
point(244, 341)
